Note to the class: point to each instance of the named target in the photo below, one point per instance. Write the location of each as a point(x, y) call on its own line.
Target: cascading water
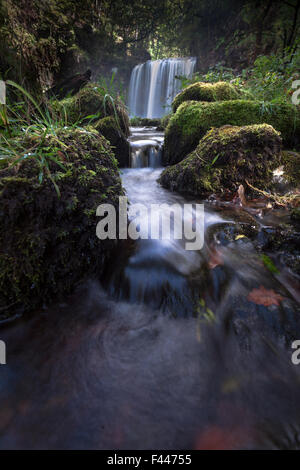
point(145, 147)
point(153, 85)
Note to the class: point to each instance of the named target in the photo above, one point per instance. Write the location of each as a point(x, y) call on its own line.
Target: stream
point(173, 350)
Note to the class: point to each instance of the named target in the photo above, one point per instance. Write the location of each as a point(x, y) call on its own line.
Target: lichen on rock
point(193, 119)
point(49, 243)
point(226, 158)
point(201, 91)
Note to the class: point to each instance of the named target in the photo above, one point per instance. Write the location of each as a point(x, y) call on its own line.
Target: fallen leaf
point(217, 438)
point(266, 297)
point(238, 237)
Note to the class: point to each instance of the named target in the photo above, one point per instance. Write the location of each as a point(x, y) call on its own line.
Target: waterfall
point(153, 85)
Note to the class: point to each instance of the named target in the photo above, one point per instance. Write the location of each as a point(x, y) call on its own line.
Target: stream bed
point(175, 349)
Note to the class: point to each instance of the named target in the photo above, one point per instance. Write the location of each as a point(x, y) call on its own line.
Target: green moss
point(193, 119)
point(90, 104)
point(48, 244)
point(200, 91)
point(224, 159)
point(291, 162)
point(110, 129)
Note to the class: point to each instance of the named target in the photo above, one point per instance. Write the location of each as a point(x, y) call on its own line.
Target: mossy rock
point(193, 119)
point(145, 122)
point(291, 162)
point(90, 104)
point(110, 129)
point(49, 243)
point(226, 158)
point(201, 91)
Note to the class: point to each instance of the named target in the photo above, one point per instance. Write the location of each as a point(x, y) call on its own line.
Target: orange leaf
point(263, 296)
point(216, 438)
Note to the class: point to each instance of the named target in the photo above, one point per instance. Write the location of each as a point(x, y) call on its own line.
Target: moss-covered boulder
point(201, 91)
point(110, 129)
point(291, 162)
point(145, 122)
point(193, 119)
point(49, 243)
point(90, 104)
point(224, 159)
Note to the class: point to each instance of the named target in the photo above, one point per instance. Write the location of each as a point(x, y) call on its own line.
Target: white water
point(145, 147)
point(153, 85)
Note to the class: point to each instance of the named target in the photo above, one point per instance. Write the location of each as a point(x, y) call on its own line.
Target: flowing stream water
point(169, 351)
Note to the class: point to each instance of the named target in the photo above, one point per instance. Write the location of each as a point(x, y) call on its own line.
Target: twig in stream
point(292, 199)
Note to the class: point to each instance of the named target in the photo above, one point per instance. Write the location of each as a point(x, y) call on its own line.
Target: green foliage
point(14, 149)
point(111, 87)
point(215, 73)
point(272, 76)
point(205, 317)
point(269, 264)
point(269, 79)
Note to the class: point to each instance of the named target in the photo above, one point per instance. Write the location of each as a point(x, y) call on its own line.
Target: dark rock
point(111, 130)
point(70, 86)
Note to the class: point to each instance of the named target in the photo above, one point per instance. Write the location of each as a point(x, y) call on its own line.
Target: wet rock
point(283, 242)
point(70, 85)
point(193, 119)
point(110, 129)
point(225, 159)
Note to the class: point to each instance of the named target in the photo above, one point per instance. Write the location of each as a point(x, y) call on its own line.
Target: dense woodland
point(46, 40)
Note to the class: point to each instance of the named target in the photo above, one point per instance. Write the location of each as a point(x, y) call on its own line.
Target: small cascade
point(146, 147)
point(153, 85)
